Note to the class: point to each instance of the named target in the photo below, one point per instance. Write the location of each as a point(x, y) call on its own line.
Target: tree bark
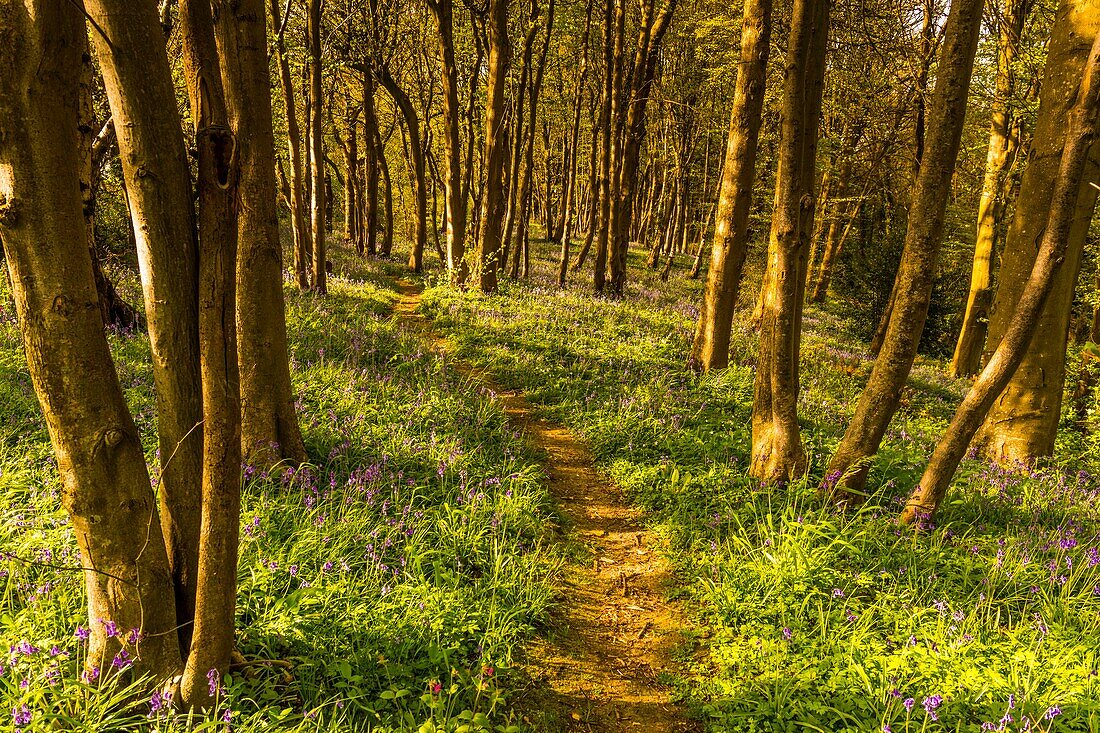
point(269, 425)
point(218, 175)
point(1003, 144)
point(298, 207)
point(370, 166)
point(1023, 423)
point(492, 208)
point(443, 11)
point(416, 159)
point(138, 81)
point(317, 147)
point(777, 452)
point(1081, 132)
point(710, 349)
point(105, 484)
point(912, 291)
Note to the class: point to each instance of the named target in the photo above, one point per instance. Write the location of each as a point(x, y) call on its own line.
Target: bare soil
point(614, 629)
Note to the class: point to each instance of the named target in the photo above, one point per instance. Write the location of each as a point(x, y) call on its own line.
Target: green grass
point(398, 572)
point(806, 618)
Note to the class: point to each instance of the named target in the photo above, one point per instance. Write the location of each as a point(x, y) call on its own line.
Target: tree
point(1077, 145)
point(139, 87)
point(712, 334)
point(316, 147)
point(106, 488)
point(492, 207)
point(777, 452)
point(1003, 143)
point(1023, 422)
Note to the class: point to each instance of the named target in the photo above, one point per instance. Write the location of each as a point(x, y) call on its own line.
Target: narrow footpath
point(613, 631)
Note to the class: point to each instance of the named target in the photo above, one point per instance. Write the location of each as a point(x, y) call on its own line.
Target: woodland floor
point(613, 631)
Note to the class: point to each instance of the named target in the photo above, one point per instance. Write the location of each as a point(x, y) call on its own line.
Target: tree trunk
point(371, 165)
point(298, 213)
point(443, 10)
point(777, 452)
point(1070, 185)
point(1002, 148)
point(106, 489)
point(653, 28)
point(269, 425)
point(492, 212)
point(139, 87)
point(387, 195)
point(710, 349)
point(215, 602)
point(924, 235)
point(416, 160)
point(316, 145)
point(612, 44)
point(1023, 422)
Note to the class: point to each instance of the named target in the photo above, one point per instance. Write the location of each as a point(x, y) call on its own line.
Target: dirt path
point(613, 632)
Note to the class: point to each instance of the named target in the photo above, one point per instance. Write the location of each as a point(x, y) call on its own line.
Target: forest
point(444, 366)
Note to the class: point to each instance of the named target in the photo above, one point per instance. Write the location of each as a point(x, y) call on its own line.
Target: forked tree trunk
point(269, 425)
point(1023, 422)
point(652, 31)
point(218, 172)
point(924, 236)
point(777, 452)
point(138, 81)
point(316, 148)
point(1081, 132)
point(298, 208)
point(492, 207)
point(106, 489)
point(1003, 144)
point(387, 195)
point(710, 349)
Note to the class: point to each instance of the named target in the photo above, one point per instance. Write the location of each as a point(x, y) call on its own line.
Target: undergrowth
point(808, 618)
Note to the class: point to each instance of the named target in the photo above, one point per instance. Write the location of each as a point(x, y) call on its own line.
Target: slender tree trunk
point(777, 452)
point(298, 214)
point(351, 177)
point(1081, 132)
point(653, 28)
point(269, 425)
point(612, 45)
point(138, 81)
point(443, 10)
point(218, 172)
point(106, 489)
point(417, 165)
point(593, 209)
point(387, 196)
point(371, 165)
point(316, 145)
point(924, 236)
point(1023, 423)
point(1002, 148)
point(710, 349)
point(492, 211)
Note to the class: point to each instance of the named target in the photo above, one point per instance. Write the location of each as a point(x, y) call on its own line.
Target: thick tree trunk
point(1081, 132)
point(1023, 422)
point(318, 203)
point(138, 81)
point(218, 174)
point(269, 425)
point(1002, 148)
point(492, 207)
point(298, 208)
point(777, 452)
point(106, 489)
point(924, 236)
point(710, 349)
